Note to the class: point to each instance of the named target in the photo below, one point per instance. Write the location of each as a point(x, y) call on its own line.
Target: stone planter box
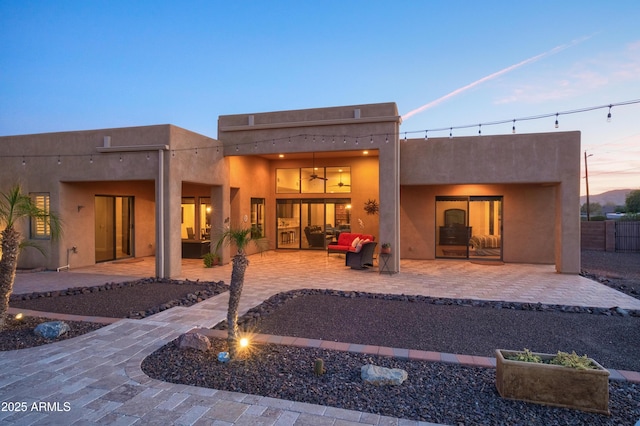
point(586, 390)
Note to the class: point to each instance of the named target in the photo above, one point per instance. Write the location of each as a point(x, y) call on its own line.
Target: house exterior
point(299, 178)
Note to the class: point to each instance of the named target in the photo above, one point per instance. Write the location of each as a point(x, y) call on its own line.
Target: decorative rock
point(51, 329)
point(382, 376)
point(622, 312)
point(223, 356)
point(195, 341)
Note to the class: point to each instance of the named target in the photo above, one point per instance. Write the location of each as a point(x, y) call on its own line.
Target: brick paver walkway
point(96, 378)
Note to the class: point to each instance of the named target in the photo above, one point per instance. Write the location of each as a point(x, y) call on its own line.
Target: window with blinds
point(40, 226)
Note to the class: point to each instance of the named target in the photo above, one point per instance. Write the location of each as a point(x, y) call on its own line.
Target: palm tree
point(241, 238)
point(16, 206)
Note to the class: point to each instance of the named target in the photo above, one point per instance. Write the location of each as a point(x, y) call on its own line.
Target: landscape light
point(244, 342)
point(19, 316)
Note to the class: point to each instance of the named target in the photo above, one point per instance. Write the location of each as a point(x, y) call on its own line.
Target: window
point(188, 228)
point(310, 180)
point(257, 218)
point(40, 227)
point(205, 218)
point(288, 181)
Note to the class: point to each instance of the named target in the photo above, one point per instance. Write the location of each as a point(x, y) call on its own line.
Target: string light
point(357, 137)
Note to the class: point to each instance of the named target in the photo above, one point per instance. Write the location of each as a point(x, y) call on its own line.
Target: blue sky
point(74, 65)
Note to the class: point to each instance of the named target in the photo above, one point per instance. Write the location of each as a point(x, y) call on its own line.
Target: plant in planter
point(385, 248)
point(563, 380)
point(210, 259)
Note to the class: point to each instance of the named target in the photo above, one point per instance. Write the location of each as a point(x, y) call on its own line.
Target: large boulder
point(51, 329)
point(196, 341)
point(382, 376)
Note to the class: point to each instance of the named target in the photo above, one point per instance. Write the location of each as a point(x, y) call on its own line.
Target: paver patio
point(99, 375)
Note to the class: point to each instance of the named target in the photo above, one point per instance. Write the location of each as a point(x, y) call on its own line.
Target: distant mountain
point(616, 197)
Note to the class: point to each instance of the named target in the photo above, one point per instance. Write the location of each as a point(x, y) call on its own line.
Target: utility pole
point(586, 178)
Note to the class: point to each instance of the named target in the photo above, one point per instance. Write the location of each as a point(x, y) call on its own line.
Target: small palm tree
point(241, 238)
point(16, 206)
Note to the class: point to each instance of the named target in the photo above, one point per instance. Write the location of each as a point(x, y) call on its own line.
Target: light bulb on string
point(557, 124)
point(405, 136)
point(59, 160)
point(91, 159)
point(24, 162)
point(513, 129)
point(371, 138)
point(450, 132)
point(609, 114)
point(356, 141)
point(479, 129)
point(386, 139)
point(426, 135)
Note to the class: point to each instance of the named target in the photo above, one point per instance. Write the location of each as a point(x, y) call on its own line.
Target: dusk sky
point(76, 65)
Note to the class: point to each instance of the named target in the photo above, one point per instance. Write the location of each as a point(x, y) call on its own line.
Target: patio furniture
point(345, 242)
point(315, 236)
point(363, 258)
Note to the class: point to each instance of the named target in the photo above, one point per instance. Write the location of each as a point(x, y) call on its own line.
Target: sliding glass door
point(469, 227)
point(311, 223)
point(113, 227)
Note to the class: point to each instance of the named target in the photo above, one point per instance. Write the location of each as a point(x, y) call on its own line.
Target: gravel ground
point(435, 392)
point(20, 335)
point(135, 299)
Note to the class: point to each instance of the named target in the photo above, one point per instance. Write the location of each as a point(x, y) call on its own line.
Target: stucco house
point(298, 178)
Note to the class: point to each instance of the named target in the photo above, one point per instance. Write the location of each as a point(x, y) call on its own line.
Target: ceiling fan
point(341, 184)
point(314, 175)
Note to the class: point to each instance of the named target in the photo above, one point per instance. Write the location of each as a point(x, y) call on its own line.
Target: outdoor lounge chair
point(363, 258)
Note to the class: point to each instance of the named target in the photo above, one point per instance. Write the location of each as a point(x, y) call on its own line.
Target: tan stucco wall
point(528, 222)
point(73, 167)
point(538, 175)
point(344, 128)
